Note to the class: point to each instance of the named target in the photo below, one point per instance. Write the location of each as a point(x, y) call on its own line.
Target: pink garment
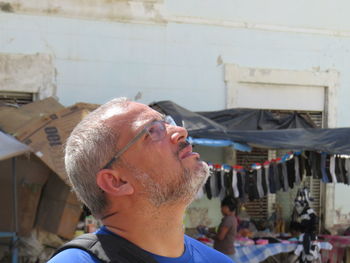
point(262, 242)
point(339, 243)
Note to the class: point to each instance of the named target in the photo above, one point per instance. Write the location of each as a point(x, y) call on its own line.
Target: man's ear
point(112, 183)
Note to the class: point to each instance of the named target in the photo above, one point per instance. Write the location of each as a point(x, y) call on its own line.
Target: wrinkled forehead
point(133, 116)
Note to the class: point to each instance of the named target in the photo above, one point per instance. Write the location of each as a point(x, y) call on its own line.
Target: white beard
point(167, 192)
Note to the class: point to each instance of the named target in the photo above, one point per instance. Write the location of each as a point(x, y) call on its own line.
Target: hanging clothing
point(297, 170)
point(347, 168)
point(338, 170)
point(259, 182)
point(302, 166)
point(307, 163)
point(214, 183)
point(235, 183)
point(207, 185)
point(291, 172)
point(285, 176)
point(272, 184)
point(228, 181)
point(222, 191)
point(325, 178)
point(277, 176)
point(315, 163)
point(264, 181)
point(341, 163)
point(251, 185)
point(241, 184)
point(281, 176)
point(332, 169)
point(267, 178)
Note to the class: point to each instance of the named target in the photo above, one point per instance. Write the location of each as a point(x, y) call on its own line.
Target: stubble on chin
point(181, 187)
point(191, 182)
point(200, 177)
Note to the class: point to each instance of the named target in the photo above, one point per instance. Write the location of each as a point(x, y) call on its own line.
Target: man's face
point(166, 171)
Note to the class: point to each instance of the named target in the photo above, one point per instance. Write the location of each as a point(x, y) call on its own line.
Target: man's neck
point(156, 230)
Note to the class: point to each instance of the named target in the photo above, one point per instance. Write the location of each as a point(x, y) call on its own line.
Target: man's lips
point(187, 152)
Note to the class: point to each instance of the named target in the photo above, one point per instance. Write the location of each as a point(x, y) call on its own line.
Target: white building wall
point(177, 49)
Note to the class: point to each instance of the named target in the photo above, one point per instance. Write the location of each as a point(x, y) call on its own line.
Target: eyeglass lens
point(169, 120)
point(157, 130)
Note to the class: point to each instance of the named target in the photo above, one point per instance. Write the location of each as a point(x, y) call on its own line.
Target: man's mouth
point(185, 151)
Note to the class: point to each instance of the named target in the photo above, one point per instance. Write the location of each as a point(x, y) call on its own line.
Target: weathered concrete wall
point(173, 61)
point(30, 73)
point(270, 14)
point(326, 17)
point(119, 10)
point(156, 49)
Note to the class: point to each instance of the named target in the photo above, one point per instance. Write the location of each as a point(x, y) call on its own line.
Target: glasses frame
point(166, 119)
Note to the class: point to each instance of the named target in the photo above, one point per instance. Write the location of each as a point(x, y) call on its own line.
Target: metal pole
point(15, 210)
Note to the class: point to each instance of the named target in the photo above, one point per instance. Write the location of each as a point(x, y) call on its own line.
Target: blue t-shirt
point(195, 252)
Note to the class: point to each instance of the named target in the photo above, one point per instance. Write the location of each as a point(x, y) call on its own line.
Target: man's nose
point(178, 134)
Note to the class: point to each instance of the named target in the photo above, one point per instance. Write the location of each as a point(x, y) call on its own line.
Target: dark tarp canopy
point(255, 119)
point(259, 128)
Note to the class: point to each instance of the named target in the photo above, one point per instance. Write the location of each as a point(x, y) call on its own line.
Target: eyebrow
point(162, 118)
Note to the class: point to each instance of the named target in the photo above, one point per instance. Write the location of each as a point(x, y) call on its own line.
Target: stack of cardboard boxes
point(45, 200)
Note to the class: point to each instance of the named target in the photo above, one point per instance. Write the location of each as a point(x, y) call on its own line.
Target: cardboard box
point(48, 135)
point(12, 119)
point(59, 210)
point(31, 174)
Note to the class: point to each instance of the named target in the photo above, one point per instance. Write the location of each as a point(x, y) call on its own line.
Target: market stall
point(258, 253)
point(340, 251)
point(313, 153)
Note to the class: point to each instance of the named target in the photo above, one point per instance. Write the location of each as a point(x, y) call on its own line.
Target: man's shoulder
point(203, 253)
point(76, 254)
point(73, 255)
point(101, 246)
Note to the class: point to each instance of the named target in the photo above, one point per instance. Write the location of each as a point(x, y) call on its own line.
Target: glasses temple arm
point(115, 157)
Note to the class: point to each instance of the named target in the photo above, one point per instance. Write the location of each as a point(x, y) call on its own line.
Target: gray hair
point(89, 147)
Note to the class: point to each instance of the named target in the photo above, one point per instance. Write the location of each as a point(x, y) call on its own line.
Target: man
point(136, 172)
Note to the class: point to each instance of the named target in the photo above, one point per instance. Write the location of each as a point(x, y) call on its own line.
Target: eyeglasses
point(156, 130)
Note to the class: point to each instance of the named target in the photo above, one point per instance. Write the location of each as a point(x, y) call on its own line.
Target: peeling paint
point(53, 10)
point(265, 71)
point(149, 7)
point(28, 73)
point(219, 60)
point(252, 72)
point(115, 10)
point(6, 7)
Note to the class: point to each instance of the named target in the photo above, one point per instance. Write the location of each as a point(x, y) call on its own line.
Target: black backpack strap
point(109, 248)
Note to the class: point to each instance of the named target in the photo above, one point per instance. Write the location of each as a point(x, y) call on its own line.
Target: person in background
point(136, 172)
point(225, 236)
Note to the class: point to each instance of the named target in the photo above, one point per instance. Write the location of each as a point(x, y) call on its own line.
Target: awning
point(10, 147)
point(258, 128)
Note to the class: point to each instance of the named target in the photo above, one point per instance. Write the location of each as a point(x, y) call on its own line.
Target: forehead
point(133, 116)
